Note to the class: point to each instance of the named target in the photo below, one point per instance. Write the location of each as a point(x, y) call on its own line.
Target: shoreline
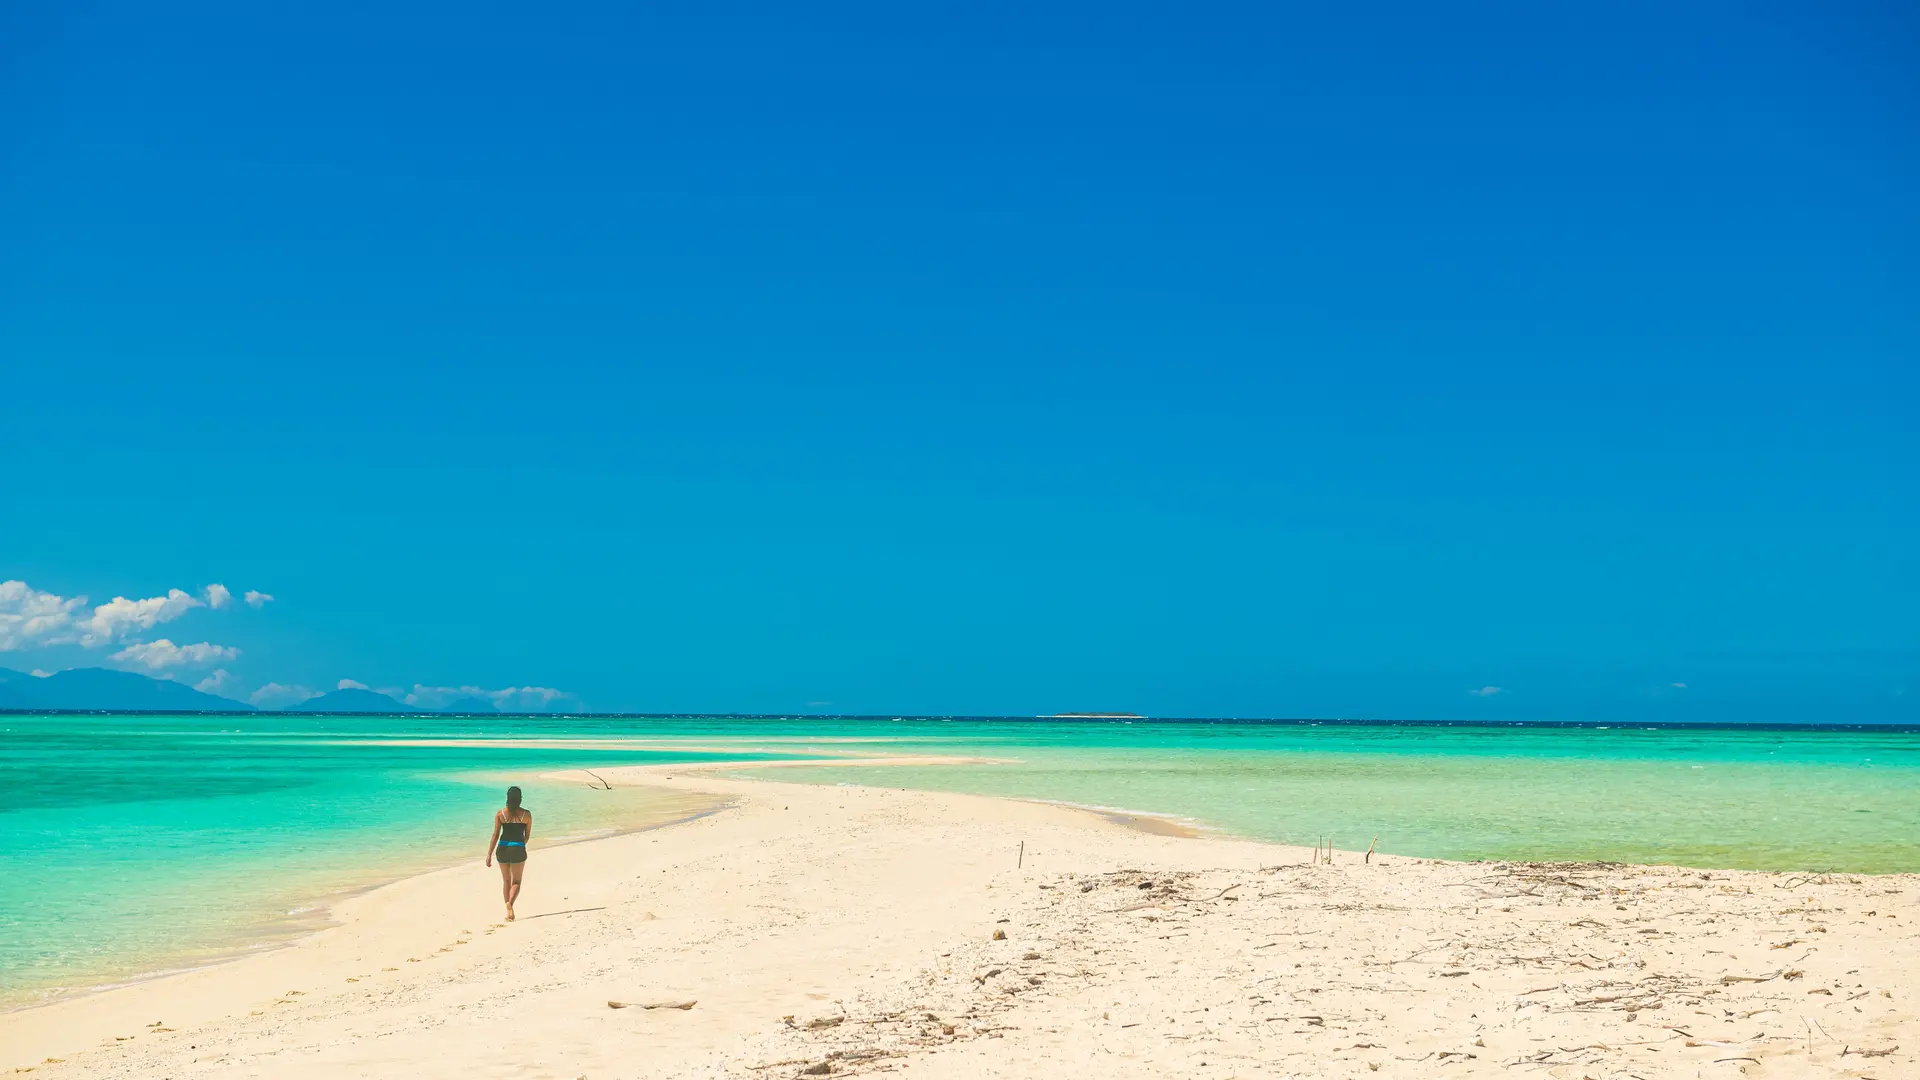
point(1154, 823)
point(320, 914)
point(1150, 822)
point(932, 861)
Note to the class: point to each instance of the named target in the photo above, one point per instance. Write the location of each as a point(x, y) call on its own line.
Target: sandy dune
point(845, 931)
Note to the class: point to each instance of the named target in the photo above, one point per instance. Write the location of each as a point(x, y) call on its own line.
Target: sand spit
point(832, 931)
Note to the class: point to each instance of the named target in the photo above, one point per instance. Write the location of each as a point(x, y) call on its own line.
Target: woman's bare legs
point(510, 885)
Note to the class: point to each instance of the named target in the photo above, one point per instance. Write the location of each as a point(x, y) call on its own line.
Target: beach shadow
point(569, 911)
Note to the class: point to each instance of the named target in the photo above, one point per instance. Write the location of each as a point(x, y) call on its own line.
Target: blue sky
point(1210, 360)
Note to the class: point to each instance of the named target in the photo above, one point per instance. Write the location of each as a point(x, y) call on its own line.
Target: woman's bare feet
point(509, 914)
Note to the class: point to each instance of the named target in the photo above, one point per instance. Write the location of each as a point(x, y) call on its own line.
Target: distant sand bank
point(849, 931)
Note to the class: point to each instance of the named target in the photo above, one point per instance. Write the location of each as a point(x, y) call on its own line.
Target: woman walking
point(512, 828)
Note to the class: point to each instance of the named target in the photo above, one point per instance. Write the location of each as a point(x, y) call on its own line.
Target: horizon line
point(1902, 727)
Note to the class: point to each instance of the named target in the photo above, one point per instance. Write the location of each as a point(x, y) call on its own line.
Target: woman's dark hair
point(513, 798)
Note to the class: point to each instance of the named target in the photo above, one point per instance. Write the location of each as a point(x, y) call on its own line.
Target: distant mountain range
point(106, 690)
point(354, 701)
point(471, 705)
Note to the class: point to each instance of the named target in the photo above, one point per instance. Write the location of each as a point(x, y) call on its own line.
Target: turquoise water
point(1735, 800)
point(145, 843)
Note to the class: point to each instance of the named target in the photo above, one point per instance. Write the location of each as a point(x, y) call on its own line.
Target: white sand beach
point(830, 931)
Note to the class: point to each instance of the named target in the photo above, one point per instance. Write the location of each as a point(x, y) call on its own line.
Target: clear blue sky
point(1186, 359)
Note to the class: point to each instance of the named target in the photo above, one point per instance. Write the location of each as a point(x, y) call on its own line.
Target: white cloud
point(29, 616)
point(120, 616)
point(215, 683)
point(1485, 691)
point(540, 695)
point(273, 695)
point(510, 699)
point(532, 699)
point(350, 684)
point(161, 654)
point(1679, 686)
point(257, 599)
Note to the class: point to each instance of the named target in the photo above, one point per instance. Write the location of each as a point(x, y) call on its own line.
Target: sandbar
point(840, 931)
